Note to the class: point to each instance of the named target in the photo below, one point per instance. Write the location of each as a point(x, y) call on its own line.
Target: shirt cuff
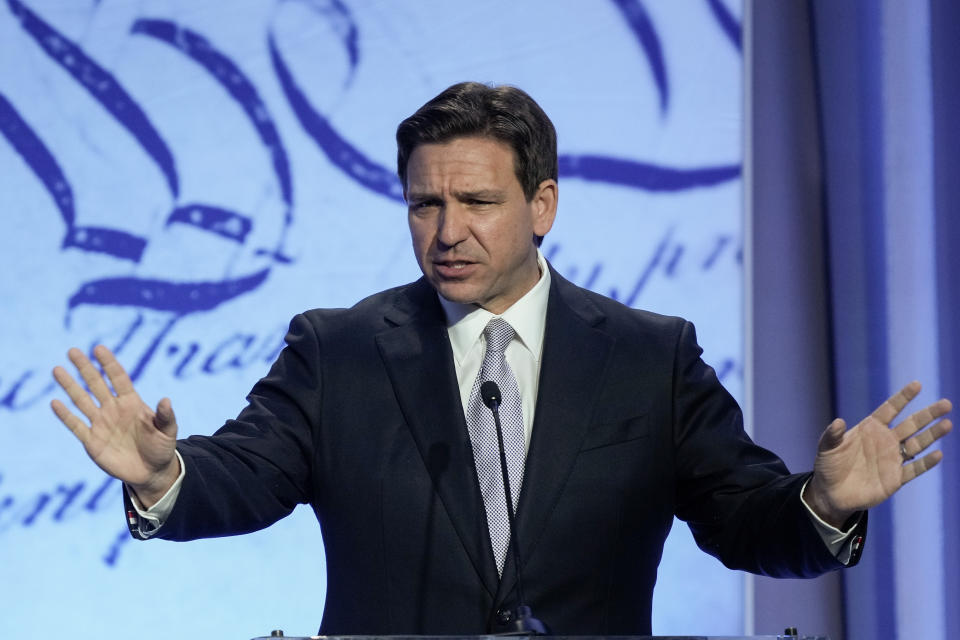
point(150, 520)
point(839, 543)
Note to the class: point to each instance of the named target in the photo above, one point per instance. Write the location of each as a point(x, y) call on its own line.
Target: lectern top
point(274, 637)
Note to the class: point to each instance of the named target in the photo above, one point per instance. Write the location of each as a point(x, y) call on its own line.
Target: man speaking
point(611, 424)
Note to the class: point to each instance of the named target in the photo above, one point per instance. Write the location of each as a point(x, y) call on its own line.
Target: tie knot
point(499, 333)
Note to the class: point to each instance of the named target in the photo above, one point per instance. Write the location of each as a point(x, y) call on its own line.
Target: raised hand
point(125, 437)
point(862, 467)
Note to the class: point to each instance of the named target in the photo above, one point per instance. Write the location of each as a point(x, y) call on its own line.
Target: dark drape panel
point(789, 373)
point(846, 39)
point(945, 55)
point(845, 176)
point(879, 93)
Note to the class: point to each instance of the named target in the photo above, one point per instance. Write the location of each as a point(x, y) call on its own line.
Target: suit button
point(504, 616)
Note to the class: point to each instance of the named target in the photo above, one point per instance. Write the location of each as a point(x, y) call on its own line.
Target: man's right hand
point(125, 437)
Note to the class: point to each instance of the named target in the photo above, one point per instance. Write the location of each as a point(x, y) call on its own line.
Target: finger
point(79, 397)
point(921, 466)
point(917, 444)
point(72, 422)
point(893, 405)
point(922, 418)
point(119, 379)
point(163, 419)
point(93, 378)
point(832, 436)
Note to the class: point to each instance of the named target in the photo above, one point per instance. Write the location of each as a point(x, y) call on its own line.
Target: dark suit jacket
point(360, 417)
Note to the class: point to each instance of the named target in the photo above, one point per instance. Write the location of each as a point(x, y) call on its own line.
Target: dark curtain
point(852, 190)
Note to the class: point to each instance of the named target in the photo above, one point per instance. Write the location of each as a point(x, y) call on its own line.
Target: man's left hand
point(862, 467)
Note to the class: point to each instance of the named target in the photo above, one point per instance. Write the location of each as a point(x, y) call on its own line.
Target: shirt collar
point(527, 316)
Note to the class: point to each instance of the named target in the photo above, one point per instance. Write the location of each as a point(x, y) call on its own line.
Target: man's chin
point(456, 292)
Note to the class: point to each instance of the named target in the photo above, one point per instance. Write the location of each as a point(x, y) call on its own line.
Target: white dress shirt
point(528, 317)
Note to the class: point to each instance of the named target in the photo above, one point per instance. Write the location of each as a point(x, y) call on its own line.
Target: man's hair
point(503, 113)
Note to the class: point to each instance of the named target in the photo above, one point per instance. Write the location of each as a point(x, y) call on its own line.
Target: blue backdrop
point(179, 178)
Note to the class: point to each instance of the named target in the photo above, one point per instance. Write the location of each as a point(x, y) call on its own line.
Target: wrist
point(816, 499)
point(150, 492)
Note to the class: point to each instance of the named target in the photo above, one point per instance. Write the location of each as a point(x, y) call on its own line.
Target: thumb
point(832, 436)
point(164, 420)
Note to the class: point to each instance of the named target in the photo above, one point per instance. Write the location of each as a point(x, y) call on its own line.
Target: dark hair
point(501, 112)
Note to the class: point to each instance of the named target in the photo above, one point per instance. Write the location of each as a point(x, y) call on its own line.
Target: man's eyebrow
point(420, 195)
point(495, 195)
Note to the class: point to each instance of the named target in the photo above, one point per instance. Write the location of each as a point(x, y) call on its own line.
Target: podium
point(778, 637)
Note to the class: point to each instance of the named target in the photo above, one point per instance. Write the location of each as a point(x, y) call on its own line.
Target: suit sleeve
point(256, 468)
point(740, 501)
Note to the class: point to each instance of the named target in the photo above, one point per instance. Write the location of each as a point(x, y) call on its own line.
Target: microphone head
point(490, 393)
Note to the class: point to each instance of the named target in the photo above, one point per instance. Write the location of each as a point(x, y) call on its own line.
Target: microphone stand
point(524, 624)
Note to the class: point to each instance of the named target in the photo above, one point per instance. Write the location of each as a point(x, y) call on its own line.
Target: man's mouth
point(453, 268)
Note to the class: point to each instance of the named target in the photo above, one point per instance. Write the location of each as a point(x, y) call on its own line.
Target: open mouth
point(453, 268)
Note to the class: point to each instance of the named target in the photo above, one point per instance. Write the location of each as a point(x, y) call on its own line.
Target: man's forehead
point(466, 156)
point(466, 141)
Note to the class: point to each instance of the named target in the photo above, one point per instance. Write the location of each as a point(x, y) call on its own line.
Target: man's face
point(472, 227)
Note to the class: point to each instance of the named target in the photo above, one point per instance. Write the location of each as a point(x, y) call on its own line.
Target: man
point(612, 423)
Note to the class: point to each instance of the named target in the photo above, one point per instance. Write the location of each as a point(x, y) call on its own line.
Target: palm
point(865, 468)
point(110, 443)
point(862, 467)
point(125, 438)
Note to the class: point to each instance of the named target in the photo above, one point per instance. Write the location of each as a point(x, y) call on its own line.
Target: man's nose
point(452, 226)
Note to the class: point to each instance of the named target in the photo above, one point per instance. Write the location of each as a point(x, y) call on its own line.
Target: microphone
point(490, 393)
point(523, 624)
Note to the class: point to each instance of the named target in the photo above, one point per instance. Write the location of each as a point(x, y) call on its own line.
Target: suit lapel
point(419, 362)
point(575, 355)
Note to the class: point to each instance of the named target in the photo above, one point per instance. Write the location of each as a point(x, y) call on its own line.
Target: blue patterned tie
point(483, 436)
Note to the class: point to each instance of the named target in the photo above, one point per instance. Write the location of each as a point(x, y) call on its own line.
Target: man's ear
point(544, 203)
